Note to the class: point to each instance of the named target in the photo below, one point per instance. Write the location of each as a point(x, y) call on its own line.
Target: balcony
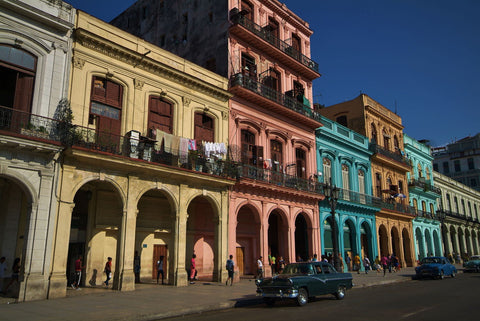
point(433, 216)
point(249, 88)
point(377, 149)
point(25, 125)
point(426, 187)
point(358, 198)
point(30, 126)
point(391, 204)
point(264, 40)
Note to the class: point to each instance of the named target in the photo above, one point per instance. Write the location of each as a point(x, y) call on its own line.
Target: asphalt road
point(449, 299)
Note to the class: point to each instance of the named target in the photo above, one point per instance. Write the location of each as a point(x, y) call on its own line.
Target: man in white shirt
point(259, 268)
point(3, 270)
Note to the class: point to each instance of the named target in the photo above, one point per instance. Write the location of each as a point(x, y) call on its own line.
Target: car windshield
point(298, 269)
point(474, 257)
point(429, 260)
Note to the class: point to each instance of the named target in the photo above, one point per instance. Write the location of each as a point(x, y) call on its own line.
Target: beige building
point(137, 177)
point(389, 171)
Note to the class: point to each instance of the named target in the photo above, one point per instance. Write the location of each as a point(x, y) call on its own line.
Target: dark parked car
point(301, 281)
point(435, 267)
point(472, 265)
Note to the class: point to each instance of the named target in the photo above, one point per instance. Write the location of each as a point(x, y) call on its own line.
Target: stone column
point(221, 240)
point(179, 276)
point(58, 276)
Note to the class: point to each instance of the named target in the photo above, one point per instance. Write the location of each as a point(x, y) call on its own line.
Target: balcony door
point(106, 105)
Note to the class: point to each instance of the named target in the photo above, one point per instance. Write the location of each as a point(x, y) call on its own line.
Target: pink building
point(264, 49)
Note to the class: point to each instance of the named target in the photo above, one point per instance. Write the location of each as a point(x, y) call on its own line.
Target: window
point(272, 32)
point(327, 170)
point(386, 140)
point(469, 208)
point(342, 120)
point(471, 163)
point(246, 8)
point(18, 69)
point(456, 165)
point(424, 206)
point(378, 184)
point(446, 169)
point(345, 177)
point(296, 43)
point(435, 167)
point(374, 133)
point(301, 161)
point(160, 114)
point(396, 144)
point(419, 169)
point(204, 128)
point(276, 153)
point(463, 207)
point(361, 181)
point(449, 203)
point(400, 186)
point(251, 153)
point(272, 80)
point(432, 209)
point(415, 204)
point(106, 104)
point(249, 67)
point(455, 200)
point(427, 173)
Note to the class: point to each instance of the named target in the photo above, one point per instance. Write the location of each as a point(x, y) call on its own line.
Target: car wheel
point(441, 276)
point(302, 297)
point(453, 274)
point(340, 294)
point(269, 301)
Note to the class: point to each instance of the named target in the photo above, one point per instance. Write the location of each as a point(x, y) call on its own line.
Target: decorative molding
point(78, 63)
point(225, 115)
point(186, 101)
point(138, 84)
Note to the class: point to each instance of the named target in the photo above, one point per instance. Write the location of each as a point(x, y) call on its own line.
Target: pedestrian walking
point(356, 263)
point(348, 260)
point(136, 267)
point(273, 261)
point(366, 264)
point(281, 264)
point(230, 266)
point(160, 269)
point(259, 268)
point(78, 273)
point(384, 262)
point(15, 273)
point(108, 270)
point(192, 269)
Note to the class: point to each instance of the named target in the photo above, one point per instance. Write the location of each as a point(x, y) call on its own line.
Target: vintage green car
point(301, 281)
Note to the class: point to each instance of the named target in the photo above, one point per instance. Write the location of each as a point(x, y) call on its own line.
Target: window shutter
point(23, 93)
point(114, 94)
point(259, 156)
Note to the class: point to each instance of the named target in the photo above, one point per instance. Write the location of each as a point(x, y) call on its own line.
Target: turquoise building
point(343, 160)
point(423, 197)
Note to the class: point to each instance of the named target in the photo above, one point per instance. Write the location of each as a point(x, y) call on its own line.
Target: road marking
point(416, 312)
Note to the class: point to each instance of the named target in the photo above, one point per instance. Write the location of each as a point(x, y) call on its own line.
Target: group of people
point(78, 273)
point(4, 271)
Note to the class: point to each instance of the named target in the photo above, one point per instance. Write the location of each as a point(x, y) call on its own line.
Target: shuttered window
point(204, 128)
point(160, 114)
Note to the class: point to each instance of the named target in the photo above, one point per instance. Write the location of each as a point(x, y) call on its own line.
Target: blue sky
point(422, 56)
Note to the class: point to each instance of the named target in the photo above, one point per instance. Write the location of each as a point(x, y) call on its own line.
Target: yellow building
point(389, 171)
point(137, 177)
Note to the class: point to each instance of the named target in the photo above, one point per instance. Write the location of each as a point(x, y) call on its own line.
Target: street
point(448, 299)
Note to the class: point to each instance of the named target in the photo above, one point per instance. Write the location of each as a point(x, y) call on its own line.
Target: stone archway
point(468, 241)
point(383, 240)
point(154, 236)
point(248, 240)
point(437, 243)
point(327, 236)
point(349, 236)
point(367, 242)
point(202, 237)
point(95, 231)
point(278, 235)
point(14, 228)
point(407, 249)
point(420, 243)
point(302, 238)
point(395, 237)
point(454, 241)
point(429, 244)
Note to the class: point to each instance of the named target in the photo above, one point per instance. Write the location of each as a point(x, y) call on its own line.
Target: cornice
point(115, 51)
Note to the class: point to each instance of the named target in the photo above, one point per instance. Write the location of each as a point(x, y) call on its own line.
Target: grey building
point(460, 160)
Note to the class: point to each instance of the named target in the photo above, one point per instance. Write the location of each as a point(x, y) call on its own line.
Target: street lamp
point(331, 194)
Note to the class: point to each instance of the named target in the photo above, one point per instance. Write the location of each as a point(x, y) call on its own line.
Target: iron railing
point(30, 125)
point(395, 156)
point(266, 35)
point(286, 101)
point(425, 186)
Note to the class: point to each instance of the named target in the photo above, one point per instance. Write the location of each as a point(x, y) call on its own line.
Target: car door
point(319, 282)
point(331, 278)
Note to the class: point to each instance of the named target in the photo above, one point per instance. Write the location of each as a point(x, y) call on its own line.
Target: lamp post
point(332, 193)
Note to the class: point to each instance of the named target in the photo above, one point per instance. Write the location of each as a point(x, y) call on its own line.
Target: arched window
point(386, 140)
point(432, 209)
point(373, 129)
point(204, 127)
point(361, 181)
point(427, 173)
point(424, 206)
point(345, 177)
point(17, 70)
point(327, 171)
point(415, 204)
point(251, 154)
point(419, 169)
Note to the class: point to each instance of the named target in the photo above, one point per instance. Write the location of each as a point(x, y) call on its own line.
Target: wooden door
point(241, 260)
point(159, 250)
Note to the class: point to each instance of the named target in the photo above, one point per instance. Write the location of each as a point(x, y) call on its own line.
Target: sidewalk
point(154, 302)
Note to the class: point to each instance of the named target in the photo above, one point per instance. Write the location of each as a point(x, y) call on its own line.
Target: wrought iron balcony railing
point(32, 126)
point(273, 95)
point(430, 215)
point(266, 35)
point(425, 186)
point(359, 198)
point(444, 213)
point(395, 156)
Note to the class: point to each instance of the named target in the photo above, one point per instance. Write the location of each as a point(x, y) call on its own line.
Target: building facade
point(423, 199)
point(384, 129)
point(343, 160)
point(35, 54)
point(459, 207)
point(145, 173)
point(264, 49)
point(460, 160)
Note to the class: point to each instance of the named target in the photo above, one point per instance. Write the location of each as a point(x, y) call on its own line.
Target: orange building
point(389, 171)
